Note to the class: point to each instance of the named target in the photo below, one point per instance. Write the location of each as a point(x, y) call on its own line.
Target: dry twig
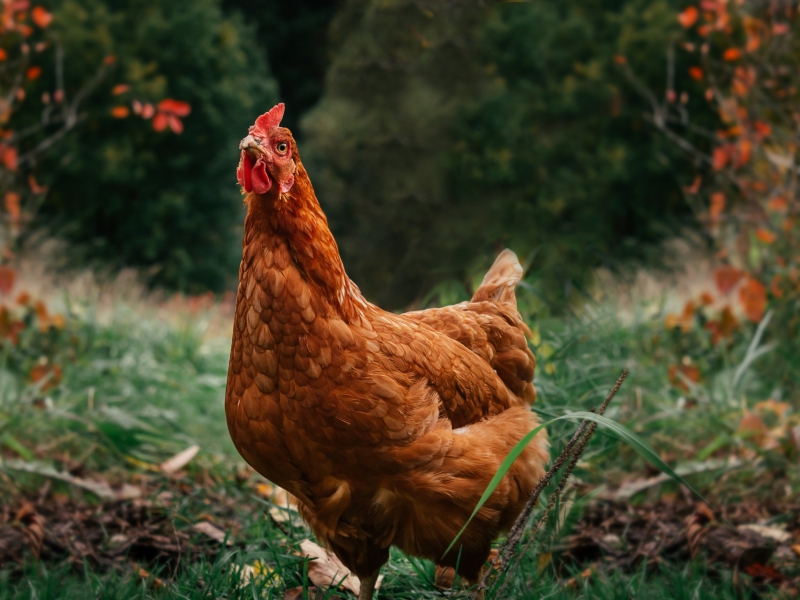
point(571, 452)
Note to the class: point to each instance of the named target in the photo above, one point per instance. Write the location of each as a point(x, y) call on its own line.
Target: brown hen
point(387, 428)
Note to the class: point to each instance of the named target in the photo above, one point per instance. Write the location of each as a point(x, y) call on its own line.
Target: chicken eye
point(282, 147)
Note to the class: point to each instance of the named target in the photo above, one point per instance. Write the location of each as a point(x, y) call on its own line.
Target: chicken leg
point(368, 586)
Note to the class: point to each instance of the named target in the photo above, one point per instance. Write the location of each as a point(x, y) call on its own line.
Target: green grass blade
point(625, 434)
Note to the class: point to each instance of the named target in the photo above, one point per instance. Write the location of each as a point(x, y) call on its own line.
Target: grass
point(138, 387)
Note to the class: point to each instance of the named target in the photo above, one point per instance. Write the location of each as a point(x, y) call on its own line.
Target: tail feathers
point(501, 280)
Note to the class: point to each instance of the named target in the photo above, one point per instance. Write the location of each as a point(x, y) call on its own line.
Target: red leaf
point(41, 17)
point(726, 277)
point(688, 17)
point(175, 124)
point(732, 54)
point(620, 60)
point(160, 122)
point(8, 276)
point(33, 73)
point(3, 54)
point(148, 110)
point(696, 73)
point(120, 89)
point(176, 107)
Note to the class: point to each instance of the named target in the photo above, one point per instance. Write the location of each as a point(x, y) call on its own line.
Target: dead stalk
point(572, 452)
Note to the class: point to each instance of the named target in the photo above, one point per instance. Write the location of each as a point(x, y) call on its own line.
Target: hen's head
point(268, 155)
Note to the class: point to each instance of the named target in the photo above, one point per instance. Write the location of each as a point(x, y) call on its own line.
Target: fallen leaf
point(772, 533)
point(99, 488)
point(152, 580)
point(296, 593)
point(211, 531)
point(180, 460)
point(444, 577)
point(325, 569)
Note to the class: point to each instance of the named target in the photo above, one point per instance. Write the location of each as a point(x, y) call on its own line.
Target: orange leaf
point(120, 112)
point(620, 60)
point(8, 156)
point(765, 235)
point(688, 17)
point(719, 158)
point(8, 276)
point(753, 296)
point(752, 426)
point(695, 187)
point(706, 299)
point(41, 17)
point(3, 54)
point(677, 373)
point(775, 286)
point(778, 204)
point(726, 277)
point(33, 73)
point(762, 129)
point(12, 205)
point(120, 88)
point(745, 151)
point(717, 205)
point(722, 328)
point(732, 54)
point(696, 73)
point(110, 59)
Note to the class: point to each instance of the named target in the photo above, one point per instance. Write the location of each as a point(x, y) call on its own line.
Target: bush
point(133, 196)
point(448, 130)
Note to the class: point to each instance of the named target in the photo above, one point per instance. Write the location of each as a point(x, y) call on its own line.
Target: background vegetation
point(583, 135)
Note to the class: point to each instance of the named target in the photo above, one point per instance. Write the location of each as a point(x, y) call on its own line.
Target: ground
point(92, 405)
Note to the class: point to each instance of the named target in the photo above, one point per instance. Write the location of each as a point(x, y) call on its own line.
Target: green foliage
point(295, 37)
point(448, 130)
point(124, 193)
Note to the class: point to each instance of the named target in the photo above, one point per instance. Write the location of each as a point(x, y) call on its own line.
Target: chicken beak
point(252, 172)
point(252, 147)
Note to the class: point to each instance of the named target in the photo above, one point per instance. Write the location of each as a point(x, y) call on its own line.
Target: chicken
point(386, 428)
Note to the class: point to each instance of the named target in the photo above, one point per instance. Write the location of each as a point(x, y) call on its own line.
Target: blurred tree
point(295, 37)
point(448, 129)
point(135, 196)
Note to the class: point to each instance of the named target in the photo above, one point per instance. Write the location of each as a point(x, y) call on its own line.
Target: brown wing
point(490, 325)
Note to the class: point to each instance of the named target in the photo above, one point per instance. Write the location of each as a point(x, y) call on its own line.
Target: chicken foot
point(368, 586)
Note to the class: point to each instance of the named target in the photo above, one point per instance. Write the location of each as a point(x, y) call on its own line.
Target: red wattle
point(244, 174)
point(261, 182)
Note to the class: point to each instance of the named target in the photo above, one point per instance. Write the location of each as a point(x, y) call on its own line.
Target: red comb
point(269, 119)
